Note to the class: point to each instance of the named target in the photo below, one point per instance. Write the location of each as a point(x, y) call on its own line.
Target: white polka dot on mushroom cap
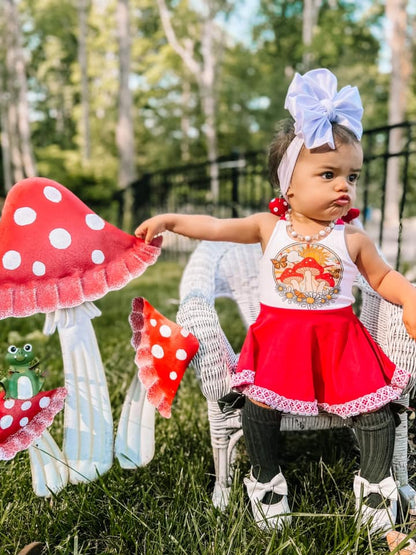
point(6, 421)
point(157, 351)
point(153, 322)
point(94, 222)
point(173, 376)
point(11, 260)
point(97, 257)
point(26, 405)
point(9, 403)
point(24, 421)
point(60, 238)
point(44, 402)
point(52, 194)
point(165, 331)
point(24, 216)
point(38, 268)
point(181, 354)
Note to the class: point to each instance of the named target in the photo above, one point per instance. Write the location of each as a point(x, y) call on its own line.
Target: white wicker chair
point(231, 270)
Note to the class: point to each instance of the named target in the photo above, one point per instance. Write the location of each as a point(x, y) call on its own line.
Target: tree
point(125, 131)
point(18, 159)
point(400, 58)
point(203, 70)
point(83, 6)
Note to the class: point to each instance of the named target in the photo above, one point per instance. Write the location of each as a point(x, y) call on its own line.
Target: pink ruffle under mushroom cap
point(57, 253)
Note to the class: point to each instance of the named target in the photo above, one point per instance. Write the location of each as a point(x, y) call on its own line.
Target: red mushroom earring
point(76, 258)
point(164, 350)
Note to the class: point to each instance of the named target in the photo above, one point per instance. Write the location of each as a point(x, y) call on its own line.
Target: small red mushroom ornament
point(164, 350)
point(22, 421)
point(25, 410)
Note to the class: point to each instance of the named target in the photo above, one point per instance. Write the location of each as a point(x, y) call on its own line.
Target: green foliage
point(253, 74)
point(165, 507)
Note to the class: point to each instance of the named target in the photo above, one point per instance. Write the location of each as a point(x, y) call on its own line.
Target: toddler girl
point(307, 351)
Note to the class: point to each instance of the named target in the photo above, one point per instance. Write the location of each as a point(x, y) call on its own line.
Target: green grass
point(165, 508)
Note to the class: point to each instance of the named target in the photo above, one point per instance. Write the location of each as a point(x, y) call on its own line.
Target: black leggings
point(375, 433)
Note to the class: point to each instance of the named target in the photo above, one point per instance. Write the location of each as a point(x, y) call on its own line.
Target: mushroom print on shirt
point(307, 275)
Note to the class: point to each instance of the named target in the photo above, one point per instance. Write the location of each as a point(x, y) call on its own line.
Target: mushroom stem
point(48, 466)
point(88, 423)
point(135, 439)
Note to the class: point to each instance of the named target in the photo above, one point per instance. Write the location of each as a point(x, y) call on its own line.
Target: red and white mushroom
point(325, 279)
point(23, 425)
point(291, 277)
point(56, 257)
point(309, 268)
point(164, 350)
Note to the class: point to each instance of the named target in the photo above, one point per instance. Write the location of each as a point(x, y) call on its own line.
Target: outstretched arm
point(239, 230)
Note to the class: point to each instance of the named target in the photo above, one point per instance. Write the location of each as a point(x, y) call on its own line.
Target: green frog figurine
point(24, 379)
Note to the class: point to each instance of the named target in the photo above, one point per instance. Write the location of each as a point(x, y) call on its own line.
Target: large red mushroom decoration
point(164, 350)
point(56, 257)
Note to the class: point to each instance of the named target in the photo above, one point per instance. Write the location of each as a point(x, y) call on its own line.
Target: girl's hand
point(148, 229)
point(409, 318)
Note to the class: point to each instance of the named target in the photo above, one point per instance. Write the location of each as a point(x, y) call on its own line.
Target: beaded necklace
point(308, 238)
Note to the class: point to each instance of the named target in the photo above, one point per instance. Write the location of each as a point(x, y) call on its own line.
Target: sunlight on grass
point(165, 507)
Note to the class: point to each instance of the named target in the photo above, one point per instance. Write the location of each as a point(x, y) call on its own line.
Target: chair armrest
point(215, 358)
point(383, 320)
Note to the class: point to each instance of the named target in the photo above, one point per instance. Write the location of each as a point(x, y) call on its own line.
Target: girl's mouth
point(343, 201)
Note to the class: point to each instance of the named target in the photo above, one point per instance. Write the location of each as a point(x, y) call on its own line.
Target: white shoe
point(267, 516)
point(382, 519)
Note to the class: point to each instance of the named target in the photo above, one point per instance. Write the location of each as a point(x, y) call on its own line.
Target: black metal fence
point(244, 188)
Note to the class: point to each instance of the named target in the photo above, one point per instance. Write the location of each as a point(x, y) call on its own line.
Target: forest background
point(93, 93)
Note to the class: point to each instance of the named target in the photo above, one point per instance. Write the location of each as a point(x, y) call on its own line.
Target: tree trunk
point(83, 65)
point(185, 122)
point(19, 160)
point(396, 13)
point(309, 22)
point(204, 73)
point(125, 130)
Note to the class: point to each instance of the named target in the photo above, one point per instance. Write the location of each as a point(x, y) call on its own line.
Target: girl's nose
point(342, 184)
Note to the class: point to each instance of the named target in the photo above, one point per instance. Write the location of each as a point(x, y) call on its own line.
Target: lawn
point(165, 507)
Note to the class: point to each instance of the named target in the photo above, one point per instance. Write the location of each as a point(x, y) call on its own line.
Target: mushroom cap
point(164, 351)
point(326, 276)
point(310, 264)
point(57, 253)
point(22, 421)
point(289, 274)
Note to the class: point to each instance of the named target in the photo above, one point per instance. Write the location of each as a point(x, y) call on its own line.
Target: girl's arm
point(388, 283)
point(251, 229)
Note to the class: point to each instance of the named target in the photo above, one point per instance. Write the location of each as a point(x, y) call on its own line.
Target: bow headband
point(314, 103)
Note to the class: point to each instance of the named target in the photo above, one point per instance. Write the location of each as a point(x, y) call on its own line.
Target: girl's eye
point(328, 175)
point(353, 178)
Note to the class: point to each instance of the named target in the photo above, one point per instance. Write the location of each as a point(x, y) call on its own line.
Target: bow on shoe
point(257, 490)
point(387, 488)
point(313, 101)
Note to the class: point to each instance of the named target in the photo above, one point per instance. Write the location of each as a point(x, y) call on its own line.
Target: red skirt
point(304, 361)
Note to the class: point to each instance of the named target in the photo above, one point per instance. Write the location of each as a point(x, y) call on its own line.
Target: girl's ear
point(289, 192)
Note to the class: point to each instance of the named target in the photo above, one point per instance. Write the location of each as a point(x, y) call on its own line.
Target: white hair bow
point(314, 103)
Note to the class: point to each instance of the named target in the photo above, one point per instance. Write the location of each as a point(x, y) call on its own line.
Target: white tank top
point(298, 275)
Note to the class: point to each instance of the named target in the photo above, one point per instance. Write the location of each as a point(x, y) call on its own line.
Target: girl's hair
point(285, 133)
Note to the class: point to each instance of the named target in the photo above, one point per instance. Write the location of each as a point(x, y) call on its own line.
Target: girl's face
point(324, 181)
